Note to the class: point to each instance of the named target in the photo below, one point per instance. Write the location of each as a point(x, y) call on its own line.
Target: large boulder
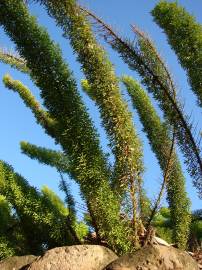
point(155, 257)
point(16, 262)
point(78, 257)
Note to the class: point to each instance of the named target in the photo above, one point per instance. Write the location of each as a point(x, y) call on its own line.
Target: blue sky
point(18, 123)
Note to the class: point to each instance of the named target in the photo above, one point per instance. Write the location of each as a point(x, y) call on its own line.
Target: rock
point(155, 257)
point(78, 257)
point(16, 262)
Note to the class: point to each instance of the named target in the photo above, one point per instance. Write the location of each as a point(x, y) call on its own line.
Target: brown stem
point(72, 231)
point(149, 43)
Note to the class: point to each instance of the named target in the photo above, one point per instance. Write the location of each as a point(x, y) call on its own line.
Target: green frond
point(55, 200)
point(184, 35)
point(41, 115)
point(47, 156)
point(54, 159)
point(14, 60)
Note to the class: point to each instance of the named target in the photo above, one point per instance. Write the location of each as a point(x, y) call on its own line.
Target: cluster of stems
point(161, 143)
point(64, 117)
point(74, 130)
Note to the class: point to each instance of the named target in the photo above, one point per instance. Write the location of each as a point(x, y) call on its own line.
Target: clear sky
point(18, 123)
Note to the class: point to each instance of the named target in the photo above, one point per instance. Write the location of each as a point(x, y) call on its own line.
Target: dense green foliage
point(49, 195)
point(33, 221)
point(163, 226)
point(5, 213)
point(195, 240)
point(42, 221)
point(104, 89)
point(158, 135)
point(5, 249)
point(185, 36)
point(142, 57)
point(118, 209)
point(54, 159)
point(58, 90)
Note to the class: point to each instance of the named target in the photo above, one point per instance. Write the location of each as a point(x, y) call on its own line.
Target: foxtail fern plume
point(54, 199)
point(47, 156)
point(54, 159)
point(40, 114)
point(14, 60)
point(185, 37)
point(133, 187)
point(70, 216)
point(160, 141)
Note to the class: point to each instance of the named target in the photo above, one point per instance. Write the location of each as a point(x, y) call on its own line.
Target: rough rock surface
point(16, 262)
point(78, 257)
point(155, 257)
